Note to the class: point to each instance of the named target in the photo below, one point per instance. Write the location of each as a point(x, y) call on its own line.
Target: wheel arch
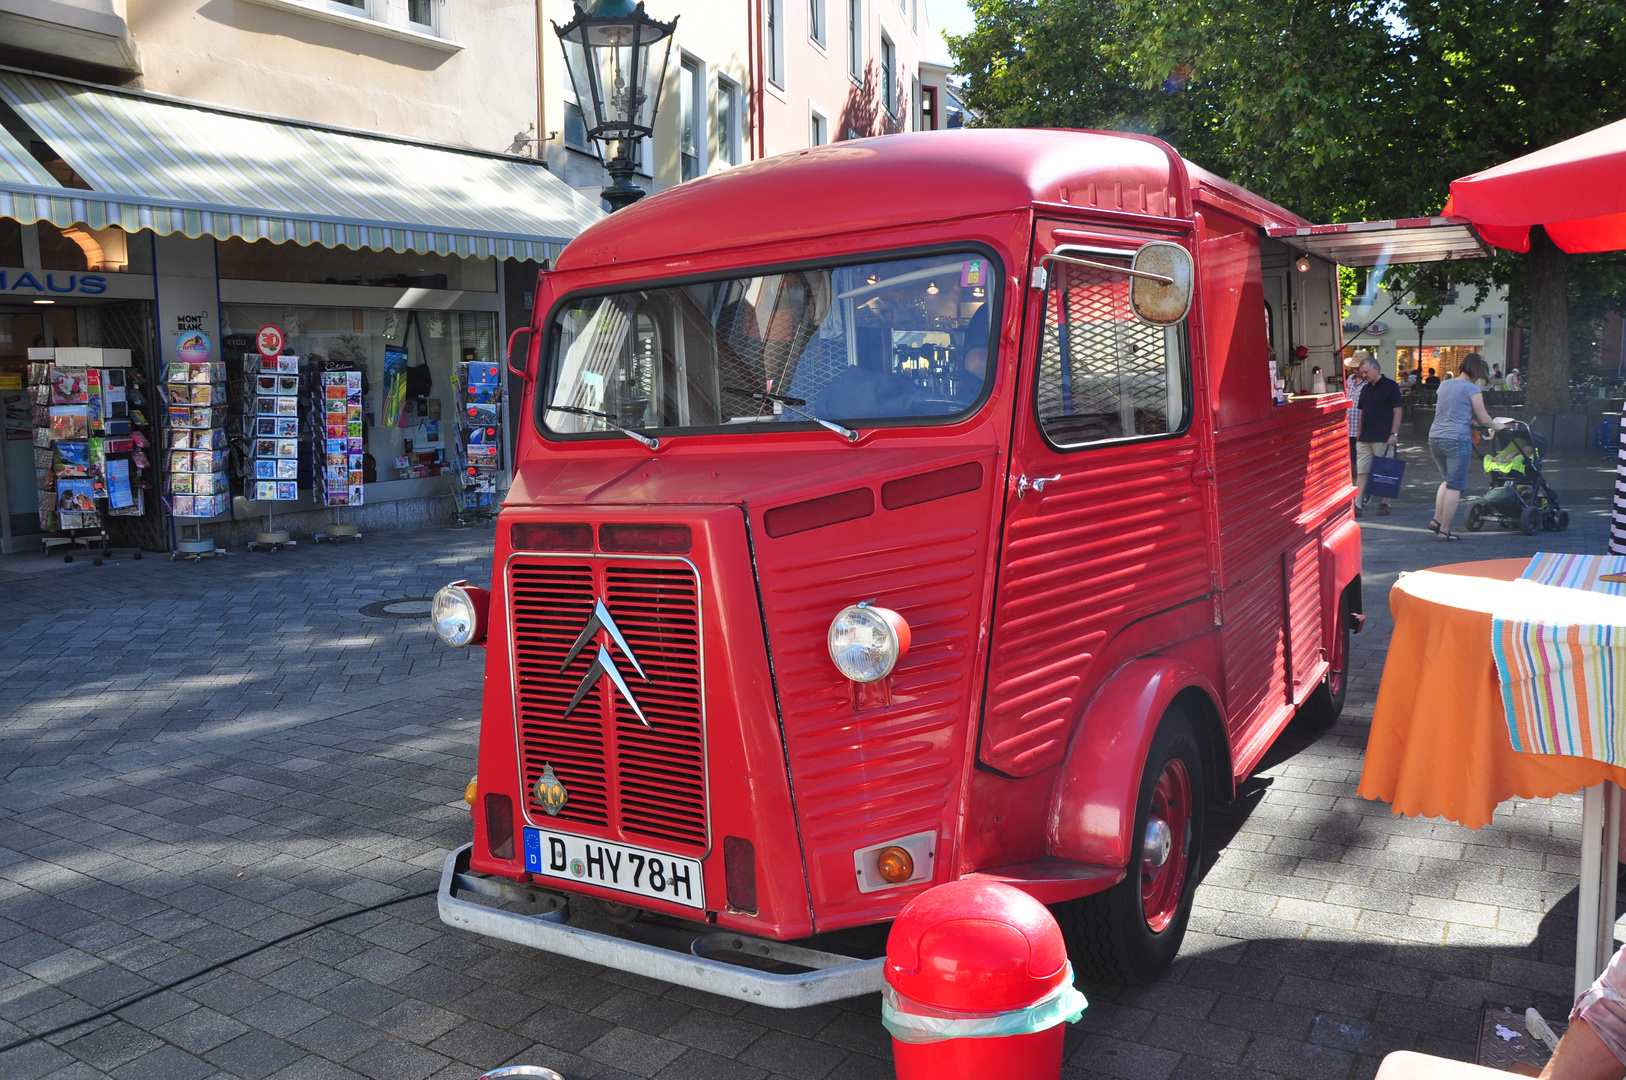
point(1092, 811)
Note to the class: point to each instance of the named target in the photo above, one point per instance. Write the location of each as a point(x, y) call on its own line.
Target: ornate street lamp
point(607, 49)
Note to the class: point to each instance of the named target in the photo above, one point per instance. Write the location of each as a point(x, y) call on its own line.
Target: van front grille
point(625, 780)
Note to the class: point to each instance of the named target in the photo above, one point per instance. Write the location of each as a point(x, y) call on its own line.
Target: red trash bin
point(977, 985)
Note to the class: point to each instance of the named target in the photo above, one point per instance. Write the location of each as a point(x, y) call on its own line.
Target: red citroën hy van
point(893, 512)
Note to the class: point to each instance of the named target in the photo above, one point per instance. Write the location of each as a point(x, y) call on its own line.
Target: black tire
point(1530, 521)
point(1563, 520)
point(1476, 517)
point(1108, 938)
point(1325, 705)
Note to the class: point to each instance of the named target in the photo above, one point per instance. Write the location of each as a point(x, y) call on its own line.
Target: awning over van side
point(1373, 243)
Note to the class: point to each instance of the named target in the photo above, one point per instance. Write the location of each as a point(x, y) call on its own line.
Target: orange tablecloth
point(1439, 745)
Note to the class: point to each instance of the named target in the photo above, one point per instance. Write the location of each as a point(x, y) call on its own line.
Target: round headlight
point(454, 616)
point(866, 642)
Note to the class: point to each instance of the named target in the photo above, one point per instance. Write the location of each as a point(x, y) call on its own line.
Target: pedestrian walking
point(1459, 404)
point(1379, 429)
point(1353, 385)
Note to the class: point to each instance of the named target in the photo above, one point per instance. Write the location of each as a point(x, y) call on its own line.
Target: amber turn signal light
point(470, 791)
point(895, 865)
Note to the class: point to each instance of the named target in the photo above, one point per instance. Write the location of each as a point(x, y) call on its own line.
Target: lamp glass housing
point(609, 51)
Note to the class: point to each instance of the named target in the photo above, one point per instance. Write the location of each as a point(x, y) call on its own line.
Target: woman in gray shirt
point(1458, 404)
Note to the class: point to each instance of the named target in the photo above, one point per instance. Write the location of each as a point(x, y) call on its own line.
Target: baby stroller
point(1519, 496)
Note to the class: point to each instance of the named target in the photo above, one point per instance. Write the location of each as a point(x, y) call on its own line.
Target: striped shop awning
point(175, 167)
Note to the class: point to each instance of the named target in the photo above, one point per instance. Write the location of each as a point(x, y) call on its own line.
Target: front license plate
point(616, 866)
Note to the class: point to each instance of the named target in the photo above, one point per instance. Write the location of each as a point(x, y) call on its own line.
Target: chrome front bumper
point(833, 977)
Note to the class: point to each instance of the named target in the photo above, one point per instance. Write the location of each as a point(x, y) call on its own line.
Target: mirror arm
point(1161, 279)
point(512, 370)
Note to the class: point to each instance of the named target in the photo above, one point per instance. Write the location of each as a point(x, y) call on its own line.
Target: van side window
point(1104, 375)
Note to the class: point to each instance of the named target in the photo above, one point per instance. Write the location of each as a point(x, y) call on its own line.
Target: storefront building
point(140, 232)
point(1376, 321)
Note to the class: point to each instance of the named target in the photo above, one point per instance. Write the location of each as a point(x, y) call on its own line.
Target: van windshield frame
point(876, 339)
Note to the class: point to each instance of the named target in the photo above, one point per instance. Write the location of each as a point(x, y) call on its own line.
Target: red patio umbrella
point(1576, 188)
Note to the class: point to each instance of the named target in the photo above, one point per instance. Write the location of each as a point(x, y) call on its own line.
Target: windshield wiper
point(608, 418)
point(794, 405)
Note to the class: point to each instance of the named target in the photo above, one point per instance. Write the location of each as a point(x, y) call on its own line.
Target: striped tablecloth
point(1559, 639)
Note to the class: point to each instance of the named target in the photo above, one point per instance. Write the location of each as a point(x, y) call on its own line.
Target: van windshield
point(888, 341)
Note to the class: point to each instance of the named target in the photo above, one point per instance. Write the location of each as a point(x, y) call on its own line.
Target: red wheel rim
point(1161, 886)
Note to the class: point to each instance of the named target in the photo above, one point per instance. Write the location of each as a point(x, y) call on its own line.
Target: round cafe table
point(1439, 744)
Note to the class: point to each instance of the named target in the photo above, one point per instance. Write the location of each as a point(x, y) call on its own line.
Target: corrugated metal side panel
point(1255, 648)
point(1304, 616)
point(1275, 479)
point(885, 771)
point(1119, 538)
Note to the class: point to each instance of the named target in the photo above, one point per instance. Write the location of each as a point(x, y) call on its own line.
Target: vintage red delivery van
point(892, 512)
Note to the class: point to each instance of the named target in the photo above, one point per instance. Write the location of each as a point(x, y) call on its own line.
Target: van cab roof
point(919, 177)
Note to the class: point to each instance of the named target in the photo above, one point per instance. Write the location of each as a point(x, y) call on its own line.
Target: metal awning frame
point(1387, 243)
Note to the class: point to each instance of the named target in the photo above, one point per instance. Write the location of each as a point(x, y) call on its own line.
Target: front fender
point(1093, 810)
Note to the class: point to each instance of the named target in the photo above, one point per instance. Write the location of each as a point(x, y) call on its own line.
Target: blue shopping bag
point(1386, 473)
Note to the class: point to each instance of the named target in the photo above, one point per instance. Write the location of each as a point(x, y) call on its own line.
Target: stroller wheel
point(1562, 521)
point(1530, 521)
point(1476, 517)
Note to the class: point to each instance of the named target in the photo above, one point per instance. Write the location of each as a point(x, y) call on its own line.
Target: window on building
point(1103, 374)
point(818, 132)
point(928, 108)
point(914, 15)
point(889, 90)
point(855, 38)
point(914, 103)
point(575, 124)
point(775, 16)
point(692, 118)
point(815, 20)
point(420, 14)
point(729, 135)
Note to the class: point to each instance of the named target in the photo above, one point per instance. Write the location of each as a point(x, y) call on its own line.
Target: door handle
point(1037, 484)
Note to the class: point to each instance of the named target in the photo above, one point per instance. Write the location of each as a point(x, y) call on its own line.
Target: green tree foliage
point(1338, 110)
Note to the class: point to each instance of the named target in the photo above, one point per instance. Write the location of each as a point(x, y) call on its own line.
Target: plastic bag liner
point(912, 1022)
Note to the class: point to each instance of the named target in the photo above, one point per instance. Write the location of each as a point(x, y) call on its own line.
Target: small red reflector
point(667, 539)
point(740, 871)
point(500, 826)
point(547, 536)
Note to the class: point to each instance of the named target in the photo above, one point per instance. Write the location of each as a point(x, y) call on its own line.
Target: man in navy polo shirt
point(1380, 408)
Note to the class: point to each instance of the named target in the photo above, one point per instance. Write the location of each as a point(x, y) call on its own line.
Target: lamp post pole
point(608, 50)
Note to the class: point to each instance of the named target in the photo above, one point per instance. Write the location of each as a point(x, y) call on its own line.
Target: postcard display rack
point(199, 486)
point(271, 401)
point(339, 476)
point(90, 444)
point(480, 439)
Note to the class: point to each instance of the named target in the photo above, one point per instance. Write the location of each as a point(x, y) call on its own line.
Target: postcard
point(287, 468)
point(265, 490)
point(287, 406)
point(287, 489)
point(287, 427)
point(265, 469)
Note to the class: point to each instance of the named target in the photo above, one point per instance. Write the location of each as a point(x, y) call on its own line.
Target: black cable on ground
point(145, 994)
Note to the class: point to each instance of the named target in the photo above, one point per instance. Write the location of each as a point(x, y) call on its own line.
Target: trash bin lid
point(975, 946)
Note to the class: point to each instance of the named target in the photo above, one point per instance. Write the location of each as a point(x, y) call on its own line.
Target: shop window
point(262, 260)
point(11, 243)
point(421, 439)
point(1104, 375)
point(102, 251)
point(729, 136)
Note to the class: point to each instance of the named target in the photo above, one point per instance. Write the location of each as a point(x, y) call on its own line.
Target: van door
point(1104, 514)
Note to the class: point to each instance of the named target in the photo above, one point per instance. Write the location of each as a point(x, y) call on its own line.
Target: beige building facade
point(355, 180)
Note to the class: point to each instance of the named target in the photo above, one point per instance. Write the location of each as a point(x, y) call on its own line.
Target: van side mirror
point(1163, 298)
point(523, 370)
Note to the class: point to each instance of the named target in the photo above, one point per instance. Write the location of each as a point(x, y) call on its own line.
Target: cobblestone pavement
point(195, 759)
